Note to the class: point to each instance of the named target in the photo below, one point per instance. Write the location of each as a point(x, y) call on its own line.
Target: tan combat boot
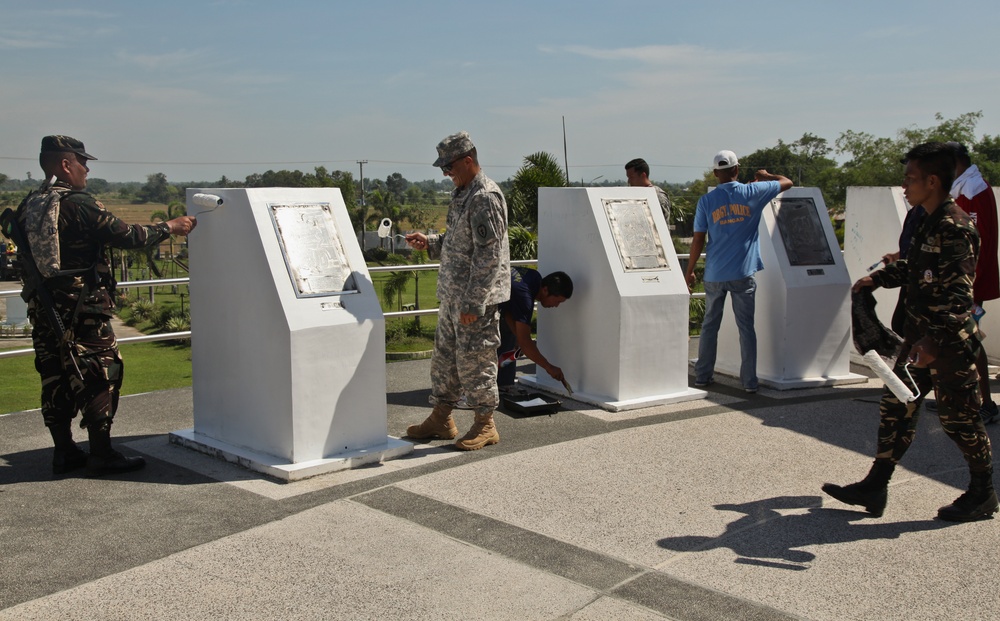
point(482, 433)
point(439, 424)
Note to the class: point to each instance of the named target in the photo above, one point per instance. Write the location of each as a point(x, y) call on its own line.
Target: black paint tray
point(514, 403)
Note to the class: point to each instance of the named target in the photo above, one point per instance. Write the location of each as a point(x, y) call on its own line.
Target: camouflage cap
point(452, 148)
point(64, 143)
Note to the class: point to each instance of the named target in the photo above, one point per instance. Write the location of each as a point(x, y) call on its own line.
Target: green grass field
point(148, 367)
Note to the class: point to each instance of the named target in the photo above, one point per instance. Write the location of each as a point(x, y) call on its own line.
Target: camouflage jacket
point(474, 251)
point(938, 271)
point(86, 230)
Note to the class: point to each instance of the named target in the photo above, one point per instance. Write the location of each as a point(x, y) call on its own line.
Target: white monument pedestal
point(288, 345)
point(803, 300)
point(873, 220)
point(622, 339)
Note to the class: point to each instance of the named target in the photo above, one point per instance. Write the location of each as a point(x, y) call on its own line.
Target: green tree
point(157, 190)
point(986, 155)
point(523, 243)
point(383, 204)
point(540, 170)
point(876, 161)
point(175, 209)
point(396, 185)
point(804, 161)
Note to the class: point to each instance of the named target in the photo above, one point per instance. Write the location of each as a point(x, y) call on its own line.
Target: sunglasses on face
point(447, 167)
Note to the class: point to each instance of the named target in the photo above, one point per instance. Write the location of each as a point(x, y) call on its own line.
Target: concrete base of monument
point(811, 382)
point(284, 470)
point(784, 383)
point(606, 403)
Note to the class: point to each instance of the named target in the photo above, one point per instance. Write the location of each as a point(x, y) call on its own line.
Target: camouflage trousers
point(465, 359)
point(64, 394)
point(954, 378)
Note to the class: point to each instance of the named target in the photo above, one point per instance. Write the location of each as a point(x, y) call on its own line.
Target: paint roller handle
point(182, 225)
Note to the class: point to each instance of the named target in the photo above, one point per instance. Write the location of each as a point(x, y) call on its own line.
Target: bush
point(696, 314)
point(178, 323)
point(141, 309)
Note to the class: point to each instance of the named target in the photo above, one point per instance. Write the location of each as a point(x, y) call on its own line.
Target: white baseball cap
point(725, 159)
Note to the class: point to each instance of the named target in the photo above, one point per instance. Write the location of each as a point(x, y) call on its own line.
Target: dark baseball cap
point(66, 144)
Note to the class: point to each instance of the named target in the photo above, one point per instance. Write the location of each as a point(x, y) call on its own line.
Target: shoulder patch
point(484, 228)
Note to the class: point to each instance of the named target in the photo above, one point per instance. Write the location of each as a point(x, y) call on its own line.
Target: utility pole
point(565, 152)
point(362, 164)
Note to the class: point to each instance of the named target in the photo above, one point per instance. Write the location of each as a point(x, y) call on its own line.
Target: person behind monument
point(76, 352)
point(526, 287)
point(975, 196)
point(474, 278)
point(940, 342)
point(728, 217)
point(637, 173)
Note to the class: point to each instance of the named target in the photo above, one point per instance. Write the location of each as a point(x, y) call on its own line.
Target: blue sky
point(198, 90)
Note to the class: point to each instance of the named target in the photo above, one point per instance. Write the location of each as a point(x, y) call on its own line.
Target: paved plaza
point(706, 510)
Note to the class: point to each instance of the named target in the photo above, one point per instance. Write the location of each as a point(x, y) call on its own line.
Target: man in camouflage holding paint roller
point(940, 339)
point(68, 232)
point(473, 280)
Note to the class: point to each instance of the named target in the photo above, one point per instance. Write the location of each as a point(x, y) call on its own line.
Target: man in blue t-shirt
point(729, 216)
point(527, 286)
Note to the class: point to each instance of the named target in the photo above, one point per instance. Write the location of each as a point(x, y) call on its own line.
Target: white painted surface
point(873, 221)
point(803, 313)
point(297, 378)
point(621, 340)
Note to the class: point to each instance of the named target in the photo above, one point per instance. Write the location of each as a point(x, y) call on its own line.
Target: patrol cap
point(724, 159)
point(66, 144)
point(452, 148)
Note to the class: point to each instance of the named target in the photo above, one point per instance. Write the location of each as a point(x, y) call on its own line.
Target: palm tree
point(523, 243)
point(540, 170)
point(175, 209)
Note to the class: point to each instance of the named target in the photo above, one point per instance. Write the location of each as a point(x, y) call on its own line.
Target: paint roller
point(892, 382)
point(210, 202)
point(384, 227)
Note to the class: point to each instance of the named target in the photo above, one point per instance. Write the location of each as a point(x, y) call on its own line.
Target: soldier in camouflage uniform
point(941, 340)
point(81, 370)
point(473, 280)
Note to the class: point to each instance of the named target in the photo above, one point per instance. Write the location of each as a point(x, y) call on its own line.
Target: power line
point(352, 161)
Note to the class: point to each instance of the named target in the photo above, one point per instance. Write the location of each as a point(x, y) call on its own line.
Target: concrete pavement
point(706, 510)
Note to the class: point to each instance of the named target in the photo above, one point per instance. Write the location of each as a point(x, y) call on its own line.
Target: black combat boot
point(979, 503)
point(104, 459)
point(872, 492)
point(67, 456)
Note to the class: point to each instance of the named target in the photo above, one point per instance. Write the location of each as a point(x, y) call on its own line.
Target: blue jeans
point(743, 291)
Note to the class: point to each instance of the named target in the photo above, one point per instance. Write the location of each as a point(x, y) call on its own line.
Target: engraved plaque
point(312, 249)
point(635, 235)
point(802, 231)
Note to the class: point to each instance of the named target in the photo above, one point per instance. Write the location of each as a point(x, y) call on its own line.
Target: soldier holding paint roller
point(70, 295)
point(941, 342)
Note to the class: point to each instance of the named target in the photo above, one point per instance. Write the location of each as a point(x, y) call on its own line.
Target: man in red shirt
point(975, 196)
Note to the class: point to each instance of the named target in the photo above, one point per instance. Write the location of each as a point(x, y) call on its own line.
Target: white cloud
point(682, 56)
point(30, 41)
point(168, 60)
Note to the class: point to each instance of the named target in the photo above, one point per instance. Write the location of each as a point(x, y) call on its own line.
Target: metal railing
point(177, 336)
